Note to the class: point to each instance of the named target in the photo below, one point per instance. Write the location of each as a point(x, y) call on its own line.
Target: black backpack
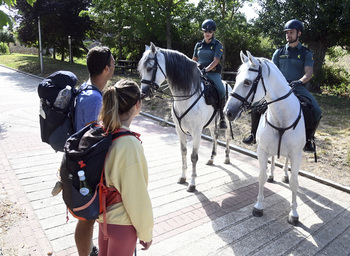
point(87, 150)
point(57, 124)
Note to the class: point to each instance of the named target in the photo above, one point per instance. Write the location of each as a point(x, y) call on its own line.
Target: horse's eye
point(247, 82)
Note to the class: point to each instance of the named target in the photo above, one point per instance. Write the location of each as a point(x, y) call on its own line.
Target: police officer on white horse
point(295, 61)
point(208, 53)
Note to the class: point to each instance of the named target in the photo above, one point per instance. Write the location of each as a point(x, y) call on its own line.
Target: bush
point(336, 81)
point(4, 49)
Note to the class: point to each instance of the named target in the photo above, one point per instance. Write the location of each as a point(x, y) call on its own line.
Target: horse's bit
point(248, 105)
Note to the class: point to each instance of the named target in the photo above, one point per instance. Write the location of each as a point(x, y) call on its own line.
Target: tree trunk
point(168, 32)
point(319, 49)
point(223, 57)
point(120, 45)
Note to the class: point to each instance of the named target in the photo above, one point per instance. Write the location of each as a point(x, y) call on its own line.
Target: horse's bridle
point(153, 85)
point(245, 104)
point(262, 104)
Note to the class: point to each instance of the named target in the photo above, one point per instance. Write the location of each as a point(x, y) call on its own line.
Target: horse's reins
point(248, 105)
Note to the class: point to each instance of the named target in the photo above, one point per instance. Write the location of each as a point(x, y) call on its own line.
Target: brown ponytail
point(117, 100)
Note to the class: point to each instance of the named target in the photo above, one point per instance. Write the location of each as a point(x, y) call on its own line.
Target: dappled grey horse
point(190, 112)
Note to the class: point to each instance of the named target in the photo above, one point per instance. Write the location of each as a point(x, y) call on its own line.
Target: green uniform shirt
point(206, 52)
point(291, 61)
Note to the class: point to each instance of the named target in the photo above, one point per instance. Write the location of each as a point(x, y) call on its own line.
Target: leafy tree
point(130, 24)
point(6, 37)
point(326, 23)
point(58, 19)
point(4, 18)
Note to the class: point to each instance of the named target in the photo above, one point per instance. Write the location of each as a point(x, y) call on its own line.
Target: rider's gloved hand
point(295, 83)
point(204, 71)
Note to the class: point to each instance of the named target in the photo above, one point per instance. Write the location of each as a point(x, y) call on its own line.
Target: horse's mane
point(182, 73)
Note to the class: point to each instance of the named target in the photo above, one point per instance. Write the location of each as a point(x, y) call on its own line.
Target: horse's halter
point(245, 104)
point(153, 85)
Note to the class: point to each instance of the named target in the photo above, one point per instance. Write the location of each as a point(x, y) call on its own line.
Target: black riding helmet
point(294, 24)
point(208, 24)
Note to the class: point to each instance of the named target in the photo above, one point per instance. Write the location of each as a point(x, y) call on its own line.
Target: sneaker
point(57, 189)
point(94, 251)
point(249, 140)
point(309, 147)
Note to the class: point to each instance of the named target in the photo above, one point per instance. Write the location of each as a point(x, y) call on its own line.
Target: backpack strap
point(85, 86)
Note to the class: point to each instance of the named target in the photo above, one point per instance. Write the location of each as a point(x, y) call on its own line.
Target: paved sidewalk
point(216, 220)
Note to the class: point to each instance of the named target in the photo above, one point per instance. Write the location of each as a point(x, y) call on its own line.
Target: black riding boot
point(310, 145)
point(255, 117)
point(222, 124)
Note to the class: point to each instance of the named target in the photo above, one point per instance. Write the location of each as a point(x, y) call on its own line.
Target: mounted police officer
point(208, 53)
point(295, 61)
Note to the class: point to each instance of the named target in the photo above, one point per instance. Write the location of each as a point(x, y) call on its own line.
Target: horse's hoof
point(191, 189)
point(210, 162)
point(293, 220)
point(227, 161)
point(270, 179)
point(182, 181)
point(258, 212)
point(285, 179)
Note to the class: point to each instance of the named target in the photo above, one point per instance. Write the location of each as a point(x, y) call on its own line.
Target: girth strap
point(281, 131)
point(188, 110)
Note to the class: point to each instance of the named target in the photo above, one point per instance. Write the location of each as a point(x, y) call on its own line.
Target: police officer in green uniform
point(208, 53)
point(295, 61)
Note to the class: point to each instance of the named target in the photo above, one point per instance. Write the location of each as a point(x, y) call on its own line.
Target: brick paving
point(215, 220)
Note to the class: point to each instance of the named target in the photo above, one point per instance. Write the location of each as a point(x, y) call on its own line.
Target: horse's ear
point(153, 48)
point(244, 58)
point(146, 48)
point(252, 60)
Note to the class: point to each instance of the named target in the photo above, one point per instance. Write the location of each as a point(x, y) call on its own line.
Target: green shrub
point(4, 49)
point(335, 80)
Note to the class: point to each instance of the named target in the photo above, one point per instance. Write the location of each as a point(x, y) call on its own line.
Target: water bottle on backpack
point(85, 189)
point(63, 98)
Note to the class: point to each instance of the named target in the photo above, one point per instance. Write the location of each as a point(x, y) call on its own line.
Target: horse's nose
point(229, 115)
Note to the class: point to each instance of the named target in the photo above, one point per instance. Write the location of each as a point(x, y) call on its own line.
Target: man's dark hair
point(97, 59)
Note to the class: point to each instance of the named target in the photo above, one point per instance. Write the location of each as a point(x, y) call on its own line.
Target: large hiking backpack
point(87, 150)
point(57, 124)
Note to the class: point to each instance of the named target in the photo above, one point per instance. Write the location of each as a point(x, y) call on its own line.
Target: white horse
point(281, 130)
point(190, 112)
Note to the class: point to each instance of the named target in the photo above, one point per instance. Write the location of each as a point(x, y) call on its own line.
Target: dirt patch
point(332, 140)
point(10, 213)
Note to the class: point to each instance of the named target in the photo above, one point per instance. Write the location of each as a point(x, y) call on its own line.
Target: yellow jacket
point(126, 169)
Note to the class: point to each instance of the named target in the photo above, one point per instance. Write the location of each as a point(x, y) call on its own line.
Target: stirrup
point(309, 146)
point(222, 124)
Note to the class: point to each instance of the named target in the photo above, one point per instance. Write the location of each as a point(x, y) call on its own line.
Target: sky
point(246, 9)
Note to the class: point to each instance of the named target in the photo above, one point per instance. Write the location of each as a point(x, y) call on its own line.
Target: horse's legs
point(271, 170)
point(285, 178)
point(258, 207)
point(194, 159)
point(227, 151)
point(293, 217)
point(214, 134)
point(183, 146)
